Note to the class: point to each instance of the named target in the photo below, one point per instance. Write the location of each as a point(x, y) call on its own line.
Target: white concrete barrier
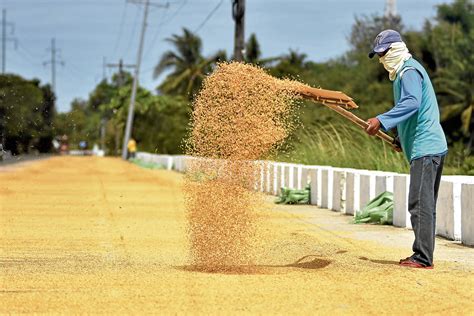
point(325, 188)
point(261, 176)
point(352, 192)
point(467, 214)
point(348, 190)
point(304, 179)
point(286, 172)
point(401, 187)
point(280, 177)
point(314, 186)
point(269, 177)
point(339, 190)
point(296, 176)
point(367, 185)
point(446, 222)
point(277, 176)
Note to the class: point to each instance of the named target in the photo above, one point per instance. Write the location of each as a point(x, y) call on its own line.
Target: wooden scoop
point(339, 102)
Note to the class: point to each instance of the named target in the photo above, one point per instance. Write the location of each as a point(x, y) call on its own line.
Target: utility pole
point(6, 39)
point(390, 8)
point(128, 127)
point(120, 83)
point(121, 66)
point(54, 60)
point(391, 17)
point(238, 13)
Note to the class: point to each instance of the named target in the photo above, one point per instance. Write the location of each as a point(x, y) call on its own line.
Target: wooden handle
point(360, 122)
point(335, 100)
point(328, 96)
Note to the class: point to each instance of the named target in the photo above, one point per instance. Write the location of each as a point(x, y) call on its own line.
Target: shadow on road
point(302, 263)
point(380, 261)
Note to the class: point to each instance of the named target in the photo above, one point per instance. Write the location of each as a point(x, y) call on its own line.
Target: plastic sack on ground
point(377, 211)
point(293, 196)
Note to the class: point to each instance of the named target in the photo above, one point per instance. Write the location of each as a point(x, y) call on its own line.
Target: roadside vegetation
point(443, 46)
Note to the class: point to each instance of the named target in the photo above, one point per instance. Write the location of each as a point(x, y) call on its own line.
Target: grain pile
point(242, 114)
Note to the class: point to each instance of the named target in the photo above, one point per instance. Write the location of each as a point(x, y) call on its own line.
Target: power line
point(171, 18)
point(134, 27)
point(28, 57)
point(155, 37)
point(160, 25)
point(29, 52)
point(128, 127)
point(6, 39)
point(208, 17)
point(122, 21)
point(62, 2)
point(76, 69)
point(174, 14)
point(53, 62)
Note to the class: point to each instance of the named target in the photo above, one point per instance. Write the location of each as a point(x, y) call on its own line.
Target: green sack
point(293, 196)
point(377, 211)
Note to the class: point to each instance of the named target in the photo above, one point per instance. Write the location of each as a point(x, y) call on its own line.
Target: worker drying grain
point(416, 118)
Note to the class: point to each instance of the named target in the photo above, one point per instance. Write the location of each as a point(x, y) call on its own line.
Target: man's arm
point(407, 106)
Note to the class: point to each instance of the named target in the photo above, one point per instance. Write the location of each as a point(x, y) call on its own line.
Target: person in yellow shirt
point(132, 148)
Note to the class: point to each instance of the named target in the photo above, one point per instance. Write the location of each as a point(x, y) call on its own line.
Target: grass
point(342, 145)
point(347, 146)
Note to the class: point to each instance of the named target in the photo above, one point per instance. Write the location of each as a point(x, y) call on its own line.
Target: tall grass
point(342, 145)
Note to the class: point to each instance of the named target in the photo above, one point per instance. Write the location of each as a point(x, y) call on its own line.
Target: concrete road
point(99, 235)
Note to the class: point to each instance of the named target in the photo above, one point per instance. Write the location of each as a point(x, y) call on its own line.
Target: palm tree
point(290, 65)
point(253, 53)
point(188, 66)
point(252, 50)
point(454, 77)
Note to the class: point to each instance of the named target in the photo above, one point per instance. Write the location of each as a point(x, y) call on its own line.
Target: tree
point(459, 12)
point(160, 122)
point(26, 111)
point(454, 78)
point(366, 28)
point(48, 112)
point(290, 65)
point(188, 66)
point(253, 53)
point(252, 50)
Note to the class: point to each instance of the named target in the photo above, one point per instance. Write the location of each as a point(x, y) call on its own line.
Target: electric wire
point(122, 21)
point(134, 27)
point(155, 36)
point(208, 17)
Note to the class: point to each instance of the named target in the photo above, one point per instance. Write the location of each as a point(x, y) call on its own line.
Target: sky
point(87, 31)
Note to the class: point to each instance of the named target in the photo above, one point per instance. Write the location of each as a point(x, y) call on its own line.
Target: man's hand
point(373, 127)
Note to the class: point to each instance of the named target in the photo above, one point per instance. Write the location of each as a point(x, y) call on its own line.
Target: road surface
point(99, 235)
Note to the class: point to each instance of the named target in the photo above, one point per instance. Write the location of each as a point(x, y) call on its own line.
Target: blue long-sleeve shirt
point(409, 103)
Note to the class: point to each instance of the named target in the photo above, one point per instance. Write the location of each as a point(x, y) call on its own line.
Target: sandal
point(410, 263)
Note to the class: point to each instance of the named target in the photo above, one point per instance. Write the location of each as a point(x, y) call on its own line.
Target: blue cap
point(383, 41)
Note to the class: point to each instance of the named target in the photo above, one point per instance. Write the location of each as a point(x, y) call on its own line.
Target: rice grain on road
point(100, 235)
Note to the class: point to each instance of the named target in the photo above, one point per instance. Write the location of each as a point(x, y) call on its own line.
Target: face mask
point(394, 58)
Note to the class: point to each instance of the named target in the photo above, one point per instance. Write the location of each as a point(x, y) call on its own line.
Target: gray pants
point(425, 177)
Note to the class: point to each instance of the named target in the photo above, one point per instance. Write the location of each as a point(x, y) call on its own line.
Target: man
point(132, 148)
point(416, 117)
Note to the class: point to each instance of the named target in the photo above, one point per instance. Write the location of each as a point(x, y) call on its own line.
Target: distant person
point(416, 118)
point(83, 145)
point(64, 147)
point(132, 148)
